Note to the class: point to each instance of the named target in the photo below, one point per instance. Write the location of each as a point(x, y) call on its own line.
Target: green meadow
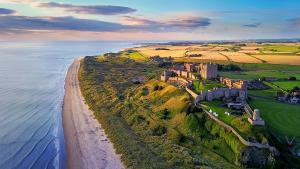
point(283, 119)
point(287, 85)
point(280, 48)
point(206, 85)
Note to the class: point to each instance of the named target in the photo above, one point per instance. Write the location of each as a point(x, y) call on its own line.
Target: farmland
point(281, 53)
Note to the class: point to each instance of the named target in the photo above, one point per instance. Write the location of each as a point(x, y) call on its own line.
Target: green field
point(206, 85)
point(287, 85)
point(282, 118)
point(281, 48)
point(135, 55)
point(255, 74)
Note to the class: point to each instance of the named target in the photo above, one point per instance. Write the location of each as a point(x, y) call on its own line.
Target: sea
point(31, 96)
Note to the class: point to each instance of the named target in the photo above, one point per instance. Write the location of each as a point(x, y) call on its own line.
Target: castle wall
point(219, 93)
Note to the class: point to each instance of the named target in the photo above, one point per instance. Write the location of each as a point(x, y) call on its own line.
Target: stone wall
point(219, 93)
point(179, 80)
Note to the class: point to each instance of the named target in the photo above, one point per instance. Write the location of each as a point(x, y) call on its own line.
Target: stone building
point(208, 70)
point(231, 83)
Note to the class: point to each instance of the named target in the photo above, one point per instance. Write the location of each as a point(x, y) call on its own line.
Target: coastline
point(87, 145)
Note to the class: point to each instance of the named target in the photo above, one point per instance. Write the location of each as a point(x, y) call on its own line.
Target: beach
point(87, 145)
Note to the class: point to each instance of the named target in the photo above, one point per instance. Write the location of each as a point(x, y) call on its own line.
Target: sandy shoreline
point(87, 146)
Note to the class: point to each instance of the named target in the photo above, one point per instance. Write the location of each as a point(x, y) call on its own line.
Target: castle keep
point(208, 70)
point(192, 71)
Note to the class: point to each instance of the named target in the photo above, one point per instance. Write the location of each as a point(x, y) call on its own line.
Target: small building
point(294, 100)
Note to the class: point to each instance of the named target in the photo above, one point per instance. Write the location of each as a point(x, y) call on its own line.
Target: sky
point(149, 20)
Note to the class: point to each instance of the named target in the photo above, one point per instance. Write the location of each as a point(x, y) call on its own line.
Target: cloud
point(90, 9)
point(19, 1)
point(15, 23)
point(169, 24)
point(4, 11)
point(295, 22)
point(252, 25)
point(11, 23)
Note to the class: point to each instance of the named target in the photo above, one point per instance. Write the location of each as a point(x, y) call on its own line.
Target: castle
point(192, 71)
point(183, 75)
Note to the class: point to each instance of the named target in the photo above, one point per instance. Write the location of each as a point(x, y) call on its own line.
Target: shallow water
point(31, 94)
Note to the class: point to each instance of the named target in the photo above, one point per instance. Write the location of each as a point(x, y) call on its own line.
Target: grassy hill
point(153, 125)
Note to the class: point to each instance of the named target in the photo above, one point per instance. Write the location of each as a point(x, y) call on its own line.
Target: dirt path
point(87, 145)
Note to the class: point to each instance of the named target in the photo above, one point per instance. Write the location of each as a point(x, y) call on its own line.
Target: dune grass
point(151, 124)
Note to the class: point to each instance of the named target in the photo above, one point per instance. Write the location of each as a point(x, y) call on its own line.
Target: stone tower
point(208, 70)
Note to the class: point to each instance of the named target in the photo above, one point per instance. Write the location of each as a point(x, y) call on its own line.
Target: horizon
point(114, 20)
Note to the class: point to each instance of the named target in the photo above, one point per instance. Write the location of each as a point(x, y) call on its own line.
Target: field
point(134, 55)
point(281, 48)
point(206, 85)
point(281, 118)
point(255, 74)
point(274, 53)
point(255, 71)
point(280, 59)
point(287, 85)
point(241, 57)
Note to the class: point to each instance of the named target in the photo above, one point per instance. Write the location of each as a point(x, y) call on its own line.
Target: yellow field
point(241, 57)
point(251, 53)
point(280, 59)
point(208, 55)
point(174, 51)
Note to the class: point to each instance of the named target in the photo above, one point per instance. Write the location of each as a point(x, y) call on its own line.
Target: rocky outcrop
point(253, 157)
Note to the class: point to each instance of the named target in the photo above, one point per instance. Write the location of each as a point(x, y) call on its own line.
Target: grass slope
point(150, 126)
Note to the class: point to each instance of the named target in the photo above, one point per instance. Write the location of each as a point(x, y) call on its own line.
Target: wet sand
point(87, 145)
